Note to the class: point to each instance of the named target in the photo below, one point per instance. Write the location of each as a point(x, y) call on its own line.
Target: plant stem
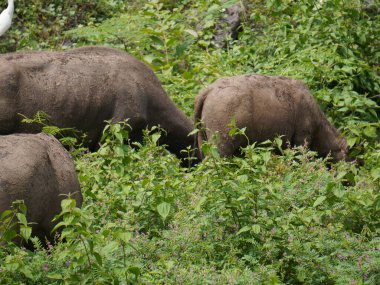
point(88, 258)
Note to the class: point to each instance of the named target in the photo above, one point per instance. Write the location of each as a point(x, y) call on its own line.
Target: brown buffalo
point(38, 170)
point(82, 88)
point(267, 106)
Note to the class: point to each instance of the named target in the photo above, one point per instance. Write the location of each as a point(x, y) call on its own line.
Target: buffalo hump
point(39, 171)
point(81, 88)
point(267, 106)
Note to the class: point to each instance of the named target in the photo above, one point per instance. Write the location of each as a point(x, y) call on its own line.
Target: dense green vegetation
point(258, 219)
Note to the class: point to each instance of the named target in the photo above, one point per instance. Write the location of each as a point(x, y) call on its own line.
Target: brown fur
point(268, 106)
point(38, 170)
point(82, 88)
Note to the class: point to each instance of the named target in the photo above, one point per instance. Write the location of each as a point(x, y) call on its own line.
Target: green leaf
point(8, 235)
point(126, 189)
point(319, 201)
point(192, 32)
point(256, 229)
point(157, 40)
point(241, 198)
point(155, 138)
point(375, 173)
point(22, 219)
point(214, 153)
point(65, 232)
point(119, 137)
point(330, 186)
point(119, 152)
point(278, 142)
point(193, 132)
point(55, 276)
point(341, 175)
point(124, 236)
point(134, 270)
point(339, 192)
point(164, 210)
point(351, 141)
point(370, 132)
point(25, 232)
point(98, 258)
point(28, 274)
point(149, 58)
point(51, 130)
point(200, 203)
point(244, 229)
point(67, 204)
point(57, 226)
point(5, 214)
point(233, 132)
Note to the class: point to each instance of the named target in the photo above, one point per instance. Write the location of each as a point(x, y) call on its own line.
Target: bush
point(40, 24)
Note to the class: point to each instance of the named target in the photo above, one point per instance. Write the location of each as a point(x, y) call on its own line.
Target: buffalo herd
point(84, 87)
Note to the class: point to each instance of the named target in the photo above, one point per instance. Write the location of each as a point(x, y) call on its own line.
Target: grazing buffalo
point(267, 106)
point(82, 88)
point(37, 169)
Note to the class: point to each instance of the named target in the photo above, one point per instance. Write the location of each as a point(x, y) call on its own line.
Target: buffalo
point(82, 88)
point(35, 168)
point(267, 106)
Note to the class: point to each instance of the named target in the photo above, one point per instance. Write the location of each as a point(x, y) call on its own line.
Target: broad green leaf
point(124, 236)
point(256, 229)
point(67, 232)
point(370, 132)
point(25, 232)
point(241, 198)
point(244, 229)
point(67, 204)
point(164, 210)
point(351, 141)
point(5, 214)
point(319, 201)
point(149, 58)
point(375, 173)
point(126, 189)
point(338, 191)
point(119, 152)
point(22, 219)
point(28, 274)
point(55, 276)
point(8, 235)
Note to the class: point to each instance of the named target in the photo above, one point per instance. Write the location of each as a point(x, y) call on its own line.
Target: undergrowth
point(260, 218)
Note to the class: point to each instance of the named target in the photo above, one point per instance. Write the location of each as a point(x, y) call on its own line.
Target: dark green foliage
point(40, 24)
point(258, 219)
point(14, 220)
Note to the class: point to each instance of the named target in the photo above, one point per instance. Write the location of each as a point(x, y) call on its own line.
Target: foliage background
point(260, 219)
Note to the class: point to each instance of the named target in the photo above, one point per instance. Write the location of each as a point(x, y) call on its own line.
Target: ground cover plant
point(262, 218)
